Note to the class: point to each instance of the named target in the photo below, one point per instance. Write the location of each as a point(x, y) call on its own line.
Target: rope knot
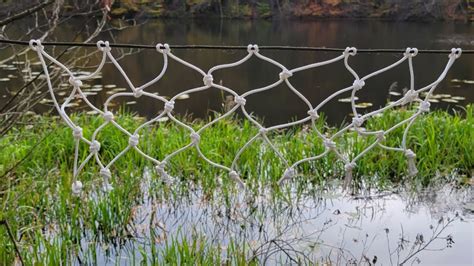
point(350, 51)
point(424, 106)
point(169, 106)
point(133, 140)
point(313, 114)
point(138, 93)
point(329, 144)
point(455, 53)
point(103, 46)
point(412, 170)
point(76, 188)
point(410, 154)
point(94, 146)
point(233, 175)
point(380, 136)
point(35, 45)
point(163, 48)
point(410, 96)
point(263, 131)
point(358, 84)
point(285, 74)
point(208, 79)
point(160, 170)
point(411, 52)
point(108, 116)
point(195, 137)
point(75, 82)
point(357, 121)
point(240, 100)
point(252, 48)
point(77, 132)
point(349, 166)
point(106, 175)
point(289, 174)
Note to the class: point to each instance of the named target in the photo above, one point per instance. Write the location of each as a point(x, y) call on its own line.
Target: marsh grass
point(49, 222)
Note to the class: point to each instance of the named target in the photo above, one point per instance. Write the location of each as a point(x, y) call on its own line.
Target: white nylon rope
point(284, 76)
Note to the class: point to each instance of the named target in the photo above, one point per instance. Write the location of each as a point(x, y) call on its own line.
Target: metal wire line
point(232, 47)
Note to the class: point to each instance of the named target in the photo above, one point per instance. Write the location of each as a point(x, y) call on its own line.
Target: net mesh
point(413, 95)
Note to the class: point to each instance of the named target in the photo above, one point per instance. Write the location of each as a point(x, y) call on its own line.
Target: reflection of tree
point(421, 244)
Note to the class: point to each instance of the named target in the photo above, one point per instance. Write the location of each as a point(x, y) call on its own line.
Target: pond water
point(280, 105)
point(431, 226)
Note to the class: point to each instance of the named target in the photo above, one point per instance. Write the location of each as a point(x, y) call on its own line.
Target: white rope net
point(329, 142)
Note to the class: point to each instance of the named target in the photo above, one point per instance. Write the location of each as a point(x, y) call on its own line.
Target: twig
point(10, 235)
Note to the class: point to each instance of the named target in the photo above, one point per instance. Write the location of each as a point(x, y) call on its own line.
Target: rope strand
point(233, 47)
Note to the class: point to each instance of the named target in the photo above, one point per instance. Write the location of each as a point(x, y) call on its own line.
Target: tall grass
point(50, 223)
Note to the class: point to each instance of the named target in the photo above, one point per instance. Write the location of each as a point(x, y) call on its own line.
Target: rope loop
point(455, 53)
point(411, 52)
point(240, 100)
point(108, 116)
point(208, 79)
point(103, 46)
point(163, 48)
point(262, 131)
point(169, 106)
point(76, 83)
point(36, 45)
point(350, 51)
point(252, 48)
point(358, 84)
point(285, 74)
point(77, 133)
point(133, 140)
point(94, 147)
point(424, 106)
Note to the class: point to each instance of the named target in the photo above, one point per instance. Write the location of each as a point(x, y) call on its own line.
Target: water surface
point(280, 105)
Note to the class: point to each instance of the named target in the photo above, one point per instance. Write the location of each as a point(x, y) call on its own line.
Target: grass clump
point(50, 224)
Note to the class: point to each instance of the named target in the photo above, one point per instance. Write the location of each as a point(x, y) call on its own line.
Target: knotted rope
point(329, 142)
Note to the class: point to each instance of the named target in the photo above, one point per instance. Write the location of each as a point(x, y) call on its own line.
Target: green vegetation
point(50, 224)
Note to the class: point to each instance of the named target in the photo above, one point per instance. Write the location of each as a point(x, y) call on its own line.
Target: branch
point(25, 13)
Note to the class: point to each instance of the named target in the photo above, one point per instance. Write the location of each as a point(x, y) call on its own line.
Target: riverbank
point(459, 10)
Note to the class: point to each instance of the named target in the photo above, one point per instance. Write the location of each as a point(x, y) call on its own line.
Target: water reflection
point(280, 105)
point(322, 226)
